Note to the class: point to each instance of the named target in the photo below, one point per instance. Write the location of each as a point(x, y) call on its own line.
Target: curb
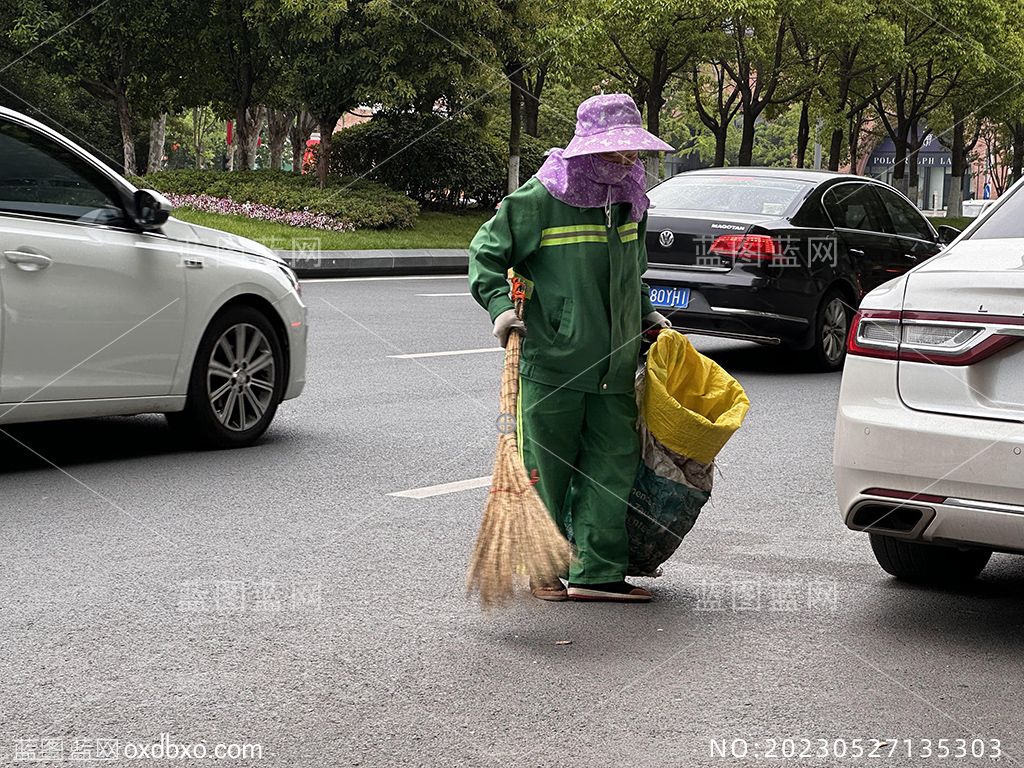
point(411, 261)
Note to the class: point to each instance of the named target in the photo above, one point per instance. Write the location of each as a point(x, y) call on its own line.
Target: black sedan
point(777, 255)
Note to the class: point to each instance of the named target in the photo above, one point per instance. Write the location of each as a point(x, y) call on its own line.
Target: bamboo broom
point(517, 534)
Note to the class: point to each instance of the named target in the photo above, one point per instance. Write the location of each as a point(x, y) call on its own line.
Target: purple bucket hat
point(611, 123)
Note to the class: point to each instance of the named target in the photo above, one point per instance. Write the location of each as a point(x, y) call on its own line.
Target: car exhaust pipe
point(890, 518)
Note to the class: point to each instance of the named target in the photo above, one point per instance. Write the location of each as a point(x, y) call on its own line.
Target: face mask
point(606, 172)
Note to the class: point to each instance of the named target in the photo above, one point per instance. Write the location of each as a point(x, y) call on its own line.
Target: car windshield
point(737, 194)
point(1005, 220)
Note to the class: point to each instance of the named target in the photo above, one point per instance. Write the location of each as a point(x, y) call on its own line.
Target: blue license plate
point(671, 298)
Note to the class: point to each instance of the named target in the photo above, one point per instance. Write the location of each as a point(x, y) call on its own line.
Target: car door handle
point(912, 256)
point(30, 262)
point(855, 251)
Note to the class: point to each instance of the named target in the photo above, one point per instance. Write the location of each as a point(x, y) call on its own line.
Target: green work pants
point(585, 452)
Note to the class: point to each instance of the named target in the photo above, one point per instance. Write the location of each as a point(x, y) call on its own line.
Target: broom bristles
point(517, 534)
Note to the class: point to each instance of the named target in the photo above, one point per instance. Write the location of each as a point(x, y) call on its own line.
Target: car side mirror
point(948, 234)
point(151, 209)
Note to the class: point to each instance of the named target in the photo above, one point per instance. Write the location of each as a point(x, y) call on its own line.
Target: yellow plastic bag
point(690, 403)
point(689, 408)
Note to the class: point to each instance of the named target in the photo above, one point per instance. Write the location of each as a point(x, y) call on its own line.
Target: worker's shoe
point(553, 591)
point(612, 592)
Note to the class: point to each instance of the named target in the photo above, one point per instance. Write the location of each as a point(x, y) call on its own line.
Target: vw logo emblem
point(666, 238)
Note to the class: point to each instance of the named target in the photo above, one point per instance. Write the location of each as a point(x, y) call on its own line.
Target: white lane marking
point(440, 490)
point(369, 279)
point(446, 354)
point(444, 294)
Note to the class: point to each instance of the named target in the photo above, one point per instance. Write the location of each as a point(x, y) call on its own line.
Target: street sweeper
point(574, 236)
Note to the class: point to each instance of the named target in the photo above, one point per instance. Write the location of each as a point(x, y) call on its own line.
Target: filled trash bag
point(689, 408)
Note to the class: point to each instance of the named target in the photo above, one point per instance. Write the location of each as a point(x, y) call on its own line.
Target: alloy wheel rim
point(240, 377)
point(833, 330)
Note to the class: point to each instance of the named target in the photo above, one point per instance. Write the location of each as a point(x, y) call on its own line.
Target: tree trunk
point(803, 132)
point(835, 149)
point(515, 76)
point(254, 143)
point(914, 144)
point(639, 92)
point(900, 161)
point(240, 141)
point(652, 169)
point(323, 159)
point(279, 123)
point(1018, 150)
point(856, 123)
point(958, 164)
point(300, 132)
point(847, 58)
point(724, 111)
point(530, 117)
point(124, 120)
point(654, 104)
point(913, 176)
point(198, 131)
point(955, 199)
point(247, 134)
point(746, 157)
point(721, 140)
point(298, 150)
point(277, 152)
point(255, 125)
point(157, 134)
point(531, 103)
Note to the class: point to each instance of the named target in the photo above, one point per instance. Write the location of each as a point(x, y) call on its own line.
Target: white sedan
point(929, 448)
point(112, 307)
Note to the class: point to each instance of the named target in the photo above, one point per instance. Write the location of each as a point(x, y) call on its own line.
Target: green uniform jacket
point(585, 297)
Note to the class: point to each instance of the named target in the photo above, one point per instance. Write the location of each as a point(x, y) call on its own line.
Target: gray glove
point(656, 318)
point(505, 323)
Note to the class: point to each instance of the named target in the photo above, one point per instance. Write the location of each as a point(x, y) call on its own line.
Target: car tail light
point(938, 336)
point(874, 333)
point(753, 247)
point(931, 337)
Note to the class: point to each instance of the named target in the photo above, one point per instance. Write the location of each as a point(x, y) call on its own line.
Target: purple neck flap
point(588, 181)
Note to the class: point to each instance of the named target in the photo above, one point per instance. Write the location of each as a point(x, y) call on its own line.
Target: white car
point(929, 448)
point(111, 307)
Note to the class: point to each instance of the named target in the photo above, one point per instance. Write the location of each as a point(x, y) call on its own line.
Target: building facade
point(934, 163)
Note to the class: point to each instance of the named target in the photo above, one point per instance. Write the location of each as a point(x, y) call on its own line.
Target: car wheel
point(237, 381)
point(928, 563)
point(831, 328)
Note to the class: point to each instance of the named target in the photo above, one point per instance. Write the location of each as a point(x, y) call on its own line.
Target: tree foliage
point(435, 160)
point(730, 81)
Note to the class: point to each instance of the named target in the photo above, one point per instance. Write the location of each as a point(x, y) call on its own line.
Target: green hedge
point(366, 204)
point(960, 223)
point(432, 159)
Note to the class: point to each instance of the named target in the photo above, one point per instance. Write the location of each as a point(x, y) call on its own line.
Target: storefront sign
point(932, 159)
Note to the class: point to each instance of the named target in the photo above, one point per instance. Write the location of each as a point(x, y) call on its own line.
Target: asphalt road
point(279, 596)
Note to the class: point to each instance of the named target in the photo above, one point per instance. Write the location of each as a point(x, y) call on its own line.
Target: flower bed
point(225, 205)
point(356, 202)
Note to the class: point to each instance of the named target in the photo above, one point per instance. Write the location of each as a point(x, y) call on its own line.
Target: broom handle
point(510, 374)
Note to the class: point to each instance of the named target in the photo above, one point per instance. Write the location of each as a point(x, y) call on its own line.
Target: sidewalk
point(412, 261)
